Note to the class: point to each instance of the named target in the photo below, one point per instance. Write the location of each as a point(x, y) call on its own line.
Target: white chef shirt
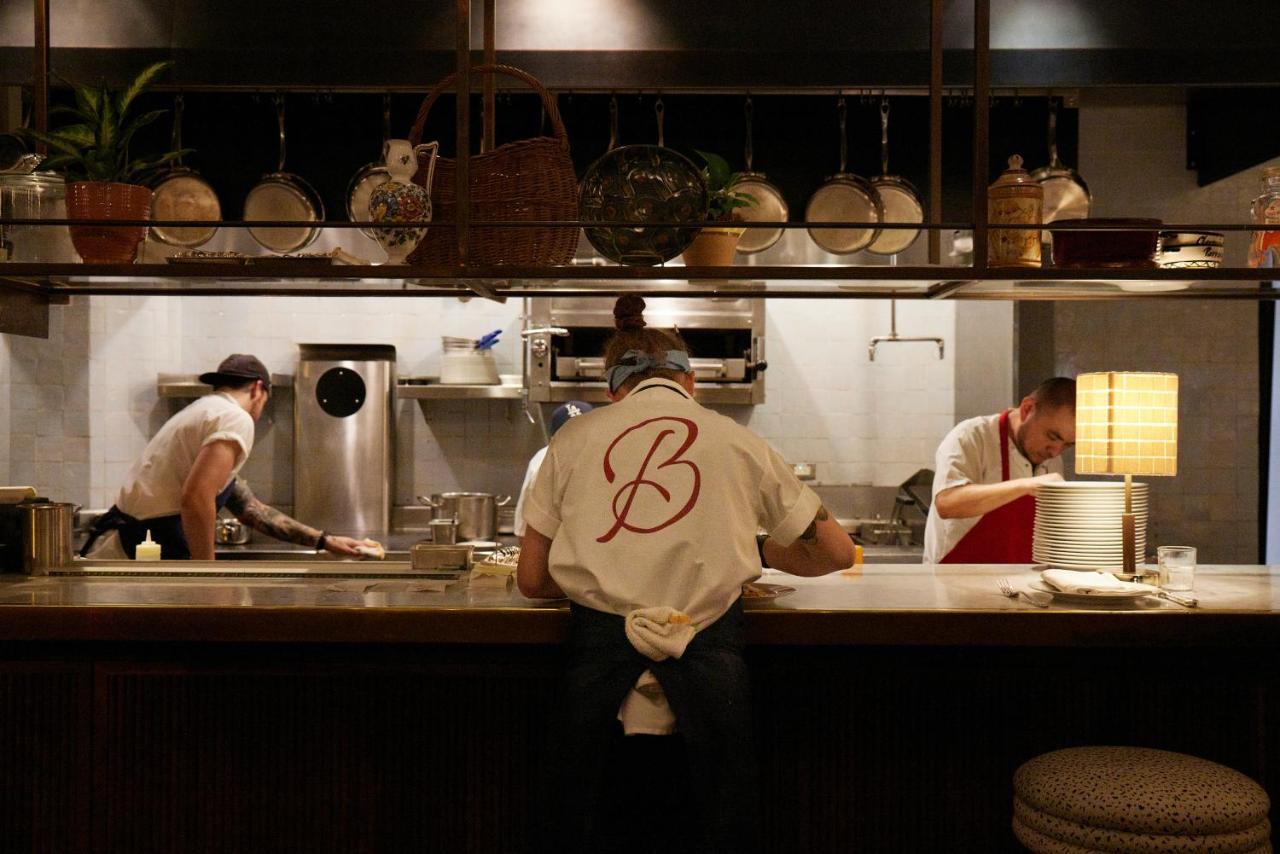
point(970, 453)
point(530, 475)
point(684, 537)
point(154, 484)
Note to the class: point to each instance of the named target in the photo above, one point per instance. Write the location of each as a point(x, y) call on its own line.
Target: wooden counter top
point(907, 605)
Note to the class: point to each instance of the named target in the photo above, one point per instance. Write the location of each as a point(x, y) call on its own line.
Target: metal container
point(231, 532)
point(343, 443)
point(476, 513)
point(444, 532)
point(46, 535)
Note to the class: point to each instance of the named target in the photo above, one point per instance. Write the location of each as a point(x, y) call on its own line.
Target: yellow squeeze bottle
point(148, 549)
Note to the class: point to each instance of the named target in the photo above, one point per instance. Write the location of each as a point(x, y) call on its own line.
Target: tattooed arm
point(823, 547)
point(262, 517)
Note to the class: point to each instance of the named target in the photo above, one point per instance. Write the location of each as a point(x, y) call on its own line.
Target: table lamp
point(1127, 423)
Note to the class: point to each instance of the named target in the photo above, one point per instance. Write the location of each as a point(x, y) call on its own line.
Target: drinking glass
point(1177, 567)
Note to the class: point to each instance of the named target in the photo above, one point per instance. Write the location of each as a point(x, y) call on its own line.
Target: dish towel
point(1084, 583)
point(645, 710)
point(659, 633)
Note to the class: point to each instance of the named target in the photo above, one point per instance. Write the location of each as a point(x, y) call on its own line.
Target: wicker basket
point(529, 179)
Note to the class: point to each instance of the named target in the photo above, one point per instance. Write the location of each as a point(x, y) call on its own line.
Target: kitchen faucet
point(894, 338)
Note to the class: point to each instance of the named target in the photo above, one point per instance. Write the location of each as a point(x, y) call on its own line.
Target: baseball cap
point(236, 369)
point(565, 411)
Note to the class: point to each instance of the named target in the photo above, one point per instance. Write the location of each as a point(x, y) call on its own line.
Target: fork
point(1007, 589)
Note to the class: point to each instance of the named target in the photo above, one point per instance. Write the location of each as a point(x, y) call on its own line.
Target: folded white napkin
point(645, 711)
point(1084, 583)
point(659, 633)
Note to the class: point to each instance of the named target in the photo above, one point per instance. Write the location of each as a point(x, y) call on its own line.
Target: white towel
point(645, 711)
point(659, 633)
point(1084, 583)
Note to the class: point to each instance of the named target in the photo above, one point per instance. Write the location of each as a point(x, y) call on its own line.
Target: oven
point(565, 337)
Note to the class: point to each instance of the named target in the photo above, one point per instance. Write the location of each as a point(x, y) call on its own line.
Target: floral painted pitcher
point(401, 200)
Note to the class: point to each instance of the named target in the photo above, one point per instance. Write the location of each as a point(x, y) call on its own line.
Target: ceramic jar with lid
point(1014, 199)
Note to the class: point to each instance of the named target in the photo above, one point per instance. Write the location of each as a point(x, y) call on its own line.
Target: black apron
point(165, 530)
point(709, 694)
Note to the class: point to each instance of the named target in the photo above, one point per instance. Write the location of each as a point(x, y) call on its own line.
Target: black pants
point(697, 790)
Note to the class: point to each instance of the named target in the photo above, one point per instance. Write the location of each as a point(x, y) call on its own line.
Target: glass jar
point(1266, 209)
point(35, 195)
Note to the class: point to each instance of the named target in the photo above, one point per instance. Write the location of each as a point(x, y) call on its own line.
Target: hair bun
point(628, 312)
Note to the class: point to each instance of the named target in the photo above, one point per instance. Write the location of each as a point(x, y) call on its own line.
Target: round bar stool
point(1135, 799)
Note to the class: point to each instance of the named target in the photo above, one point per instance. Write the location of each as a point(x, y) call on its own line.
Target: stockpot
point(475, 512)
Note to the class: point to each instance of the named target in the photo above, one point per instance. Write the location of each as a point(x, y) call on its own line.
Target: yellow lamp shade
point(1127, 423)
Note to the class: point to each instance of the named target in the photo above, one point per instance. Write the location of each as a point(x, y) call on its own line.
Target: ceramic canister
point(1014, 199)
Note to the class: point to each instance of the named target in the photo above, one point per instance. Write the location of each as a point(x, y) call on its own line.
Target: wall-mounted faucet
point(894, 338)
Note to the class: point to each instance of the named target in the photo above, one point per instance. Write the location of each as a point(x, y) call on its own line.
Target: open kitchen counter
point(168, 714)
point(892, 604)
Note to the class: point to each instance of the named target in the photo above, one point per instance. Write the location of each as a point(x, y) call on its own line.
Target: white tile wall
point(1133, 156)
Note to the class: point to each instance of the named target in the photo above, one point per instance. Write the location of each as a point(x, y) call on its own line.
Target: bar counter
point(333, 714)
point(881, 604)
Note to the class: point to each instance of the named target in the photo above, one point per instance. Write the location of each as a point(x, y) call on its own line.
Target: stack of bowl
point(1190, 249)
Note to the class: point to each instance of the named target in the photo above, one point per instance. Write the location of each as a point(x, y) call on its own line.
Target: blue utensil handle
point(488, 340)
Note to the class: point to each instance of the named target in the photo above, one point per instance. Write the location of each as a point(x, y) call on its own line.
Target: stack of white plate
point(1078, 524)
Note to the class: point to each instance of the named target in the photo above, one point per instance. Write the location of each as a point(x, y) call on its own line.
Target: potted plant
point(103, 181)
point(715, 244)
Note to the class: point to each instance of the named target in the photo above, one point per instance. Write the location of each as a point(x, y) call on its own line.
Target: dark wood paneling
point(45, 721)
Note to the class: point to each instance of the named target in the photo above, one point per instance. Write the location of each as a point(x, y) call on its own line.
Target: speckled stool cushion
point(1089, 799)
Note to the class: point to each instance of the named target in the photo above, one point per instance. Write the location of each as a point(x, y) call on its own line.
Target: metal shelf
point(59, 281)
point(430, 388)
point(189, 386)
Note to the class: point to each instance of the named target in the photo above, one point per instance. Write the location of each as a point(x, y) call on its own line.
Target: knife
point(1184, 601)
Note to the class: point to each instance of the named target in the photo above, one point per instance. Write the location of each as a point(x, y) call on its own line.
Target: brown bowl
point(1122, 243)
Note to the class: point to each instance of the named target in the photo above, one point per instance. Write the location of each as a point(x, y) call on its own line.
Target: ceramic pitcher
point(401, 200)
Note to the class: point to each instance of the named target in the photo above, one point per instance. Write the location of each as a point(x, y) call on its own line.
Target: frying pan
point(180, 193)
point(768, 204)
point(844, 197)
point(641, 184)
point(282, 195)
point(370, 176)
point(1066, 195)
point(899, 197)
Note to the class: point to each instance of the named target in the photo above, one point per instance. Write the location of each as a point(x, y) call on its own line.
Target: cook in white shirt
point(187, 473)
point(644, 514)
point(986, 472)
point(563, 412)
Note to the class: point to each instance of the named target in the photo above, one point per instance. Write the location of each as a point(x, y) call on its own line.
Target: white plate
point(1098, 596)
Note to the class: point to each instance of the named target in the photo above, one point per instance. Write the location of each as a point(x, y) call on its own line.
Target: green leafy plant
point(720, 180)
point(95, 145)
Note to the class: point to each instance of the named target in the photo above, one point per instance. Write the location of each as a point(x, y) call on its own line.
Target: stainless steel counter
point(883, 604)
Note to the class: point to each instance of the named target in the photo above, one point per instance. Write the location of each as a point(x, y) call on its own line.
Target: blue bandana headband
point(638, 362)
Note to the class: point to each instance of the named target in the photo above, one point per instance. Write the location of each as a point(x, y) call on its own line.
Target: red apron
point(1002, 535)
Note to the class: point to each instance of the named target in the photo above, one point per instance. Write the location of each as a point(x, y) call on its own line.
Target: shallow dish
point(760, 590)
point(1099, 595)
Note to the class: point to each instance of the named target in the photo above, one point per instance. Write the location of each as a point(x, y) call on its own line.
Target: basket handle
point(548, 102)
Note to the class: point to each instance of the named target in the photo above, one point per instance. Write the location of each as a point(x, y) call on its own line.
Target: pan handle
point(1054, 163)
point(843, 113)
point(748, 149)
point(613, 123)
point(280, 125)
point(386, 117)
point(660, 110)
point(884, 136)
point(177, 128)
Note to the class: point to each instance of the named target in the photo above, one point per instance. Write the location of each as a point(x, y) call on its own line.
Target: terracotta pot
point(107, 201)
point(713, 247)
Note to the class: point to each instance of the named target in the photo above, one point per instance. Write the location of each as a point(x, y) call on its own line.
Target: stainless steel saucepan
point(282, 196)
point(370, 176)
point(476, 512)
point(767, 204)
point(844, 197)
point(898, 195)
point(1066, 195)
point(181, 193)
